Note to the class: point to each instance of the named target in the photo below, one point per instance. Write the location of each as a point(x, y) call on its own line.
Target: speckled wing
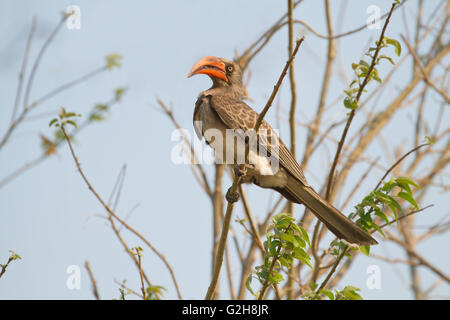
point(236, 114)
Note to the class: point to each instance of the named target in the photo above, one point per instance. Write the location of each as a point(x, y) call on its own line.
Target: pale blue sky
point(44, 213)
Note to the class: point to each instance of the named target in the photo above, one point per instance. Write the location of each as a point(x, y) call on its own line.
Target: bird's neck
point(231, 91)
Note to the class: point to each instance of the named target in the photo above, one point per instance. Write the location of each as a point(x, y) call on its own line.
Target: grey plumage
point(221, 108)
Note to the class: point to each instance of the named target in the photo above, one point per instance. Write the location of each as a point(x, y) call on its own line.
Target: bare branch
point(23, 69)
point(93, 281)
point(111, 213)
point(424, 73)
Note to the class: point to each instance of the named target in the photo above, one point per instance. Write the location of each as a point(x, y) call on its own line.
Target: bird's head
point(223, 73)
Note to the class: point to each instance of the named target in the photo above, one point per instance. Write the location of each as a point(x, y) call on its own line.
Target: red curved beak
point(210, 65)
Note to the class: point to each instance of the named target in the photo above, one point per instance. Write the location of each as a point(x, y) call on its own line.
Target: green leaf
point(72, 114)
point(382, 56)
point(276, 277)
point(248, 283)
point(327, 293)
point(351, 92)
point(278, 217)
point(101, 107)
point(305, 235)
point(365, 250)
point(14, 256)
point(285, 260)
point(313, 286)
point(381, 197)
point(96, 117)
point(404, 187)
point(113, 60)
point(73, 123)
point(289, 238)
point(396, 44)
point(283, 223)
point(299, 241)
point(364, 63)
point(374, 75)
point(388, 186)
point(53, 122)
point(380, 214)
point(350, 293)
point(273, 247)
point(118, 93)
point(430, 140)
point(408, 197)
point(408, 181)
point(62, 113)
point(376, 227)
point(394, 206)
point(342, 246)
point(350, 104)
point(301, 255)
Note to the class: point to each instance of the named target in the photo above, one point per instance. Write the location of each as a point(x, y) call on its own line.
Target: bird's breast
point(228, 144)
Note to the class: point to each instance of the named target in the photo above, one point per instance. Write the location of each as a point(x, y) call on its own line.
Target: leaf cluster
point(361, 71)
point(98, 113)
point(287, 241)
point(385, 197)
point(348, 293)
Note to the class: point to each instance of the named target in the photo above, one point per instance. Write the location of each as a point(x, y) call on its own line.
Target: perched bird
point(270, 163)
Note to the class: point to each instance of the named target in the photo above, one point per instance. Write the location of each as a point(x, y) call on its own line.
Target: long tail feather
point(335, 221)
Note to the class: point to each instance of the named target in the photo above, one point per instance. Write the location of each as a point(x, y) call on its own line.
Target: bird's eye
point(230, 68)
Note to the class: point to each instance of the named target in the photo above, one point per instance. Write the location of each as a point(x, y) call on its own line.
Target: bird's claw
point(241, 171)
point(232, 196)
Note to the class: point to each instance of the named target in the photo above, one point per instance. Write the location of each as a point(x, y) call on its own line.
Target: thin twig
point(331, 54)
point(44, 98)
point(114, 199)
point(38, 60)
point(292, 127)
point(229, 274)
point(23, 69)
point(93, 282)
point(347, 33)
point(36, 161)
point(402, 217)
point(292, 82)
point(30, 81)
point(352, 113)
point(144, 294)
point(195, 163)
point(254, 231)
point(398, 162)
point(424, 73)
point(111, 212)
point(420, 259)
point(123, 286)
point(10, 259)
point(356, 187)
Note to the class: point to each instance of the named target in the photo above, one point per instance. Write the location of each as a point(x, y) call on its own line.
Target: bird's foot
point(232, 196)
point(241, 170)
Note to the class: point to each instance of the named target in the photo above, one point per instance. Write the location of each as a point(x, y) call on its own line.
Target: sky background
point(48, 215)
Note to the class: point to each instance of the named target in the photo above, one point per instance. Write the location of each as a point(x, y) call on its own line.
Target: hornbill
point(221, 108)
